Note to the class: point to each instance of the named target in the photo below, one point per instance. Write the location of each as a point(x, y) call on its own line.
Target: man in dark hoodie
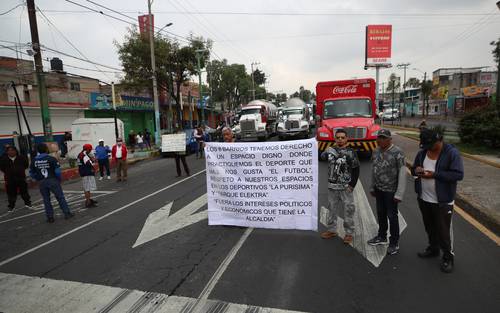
point(46, 170)
point(343, 174)
point(438, 167)
point(14, 168)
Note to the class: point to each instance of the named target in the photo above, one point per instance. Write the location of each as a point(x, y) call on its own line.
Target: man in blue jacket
point(46, 170)
point(102, 154)
point(438, 167)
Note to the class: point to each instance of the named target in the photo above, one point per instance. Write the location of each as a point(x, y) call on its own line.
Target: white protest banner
point(173, 143)
point(263, 184)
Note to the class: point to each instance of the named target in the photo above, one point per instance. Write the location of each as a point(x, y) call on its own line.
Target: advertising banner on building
point(265, 185)
point(378, 45)
point(99, 101)
point(144, 25)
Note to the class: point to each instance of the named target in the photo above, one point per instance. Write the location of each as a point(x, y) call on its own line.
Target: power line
point(179, 37)
point(68, 41)
point(8, 11)
point(401, 14)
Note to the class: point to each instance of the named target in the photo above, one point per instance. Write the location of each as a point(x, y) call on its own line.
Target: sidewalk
point(478, 193)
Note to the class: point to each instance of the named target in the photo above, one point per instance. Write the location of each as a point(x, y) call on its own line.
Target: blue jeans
point(387, 209)
point(46, 186)
point(103, 164)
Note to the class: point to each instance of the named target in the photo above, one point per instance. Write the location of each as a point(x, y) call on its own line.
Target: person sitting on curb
point(86, 169)
point(46, 170)
point(343, 174)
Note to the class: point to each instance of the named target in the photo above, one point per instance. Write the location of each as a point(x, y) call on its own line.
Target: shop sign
point(99, 101)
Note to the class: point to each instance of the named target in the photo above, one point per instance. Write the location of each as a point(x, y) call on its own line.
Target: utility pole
point(404, 66)
point(153, 69)
point(253, 80)
point(424, 105)
point(114, 108)
point(198, 58)
point(40, 76)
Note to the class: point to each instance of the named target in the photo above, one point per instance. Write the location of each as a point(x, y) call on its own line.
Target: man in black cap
point(388, 187)
point(438, 167)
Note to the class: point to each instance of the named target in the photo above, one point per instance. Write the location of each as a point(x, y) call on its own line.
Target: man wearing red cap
point(86, 169)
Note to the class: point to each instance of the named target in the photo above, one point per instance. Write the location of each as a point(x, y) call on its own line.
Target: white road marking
point(96, 220)
point(202, 298)
point(160, 222)
point(40, 210)
point(19, 293)
point(365, 227)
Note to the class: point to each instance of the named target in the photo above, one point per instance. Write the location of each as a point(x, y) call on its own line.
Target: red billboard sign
point(378, 45)
point(144, 25)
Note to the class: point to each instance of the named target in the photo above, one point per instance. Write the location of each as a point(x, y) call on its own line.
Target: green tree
point(259, 77)
point(393, 83)
point(496, 57)
point(413, 82)
point(230, 83)
point(426, 92)
point(175, 64)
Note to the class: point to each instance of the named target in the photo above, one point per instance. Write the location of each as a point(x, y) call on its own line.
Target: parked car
point(390, 115)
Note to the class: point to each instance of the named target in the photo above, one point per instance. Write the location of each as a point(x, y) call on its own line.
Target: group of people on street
point(437, 168)
point(45, 169)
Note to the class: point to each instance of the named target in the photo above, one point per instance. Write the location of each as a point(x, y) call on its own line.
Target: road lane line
point(218, 273)
point(41, 210)
point(96, 220)
point(471, 220)
point(466, 216)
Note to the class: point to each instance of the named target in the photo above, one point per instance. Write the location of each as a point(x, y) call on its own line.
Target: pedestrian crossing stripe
point(20, 293)
point(357, 145)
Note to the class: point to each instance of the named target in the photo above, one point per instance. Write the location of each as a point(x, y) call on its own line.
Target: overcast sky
point(296, 42)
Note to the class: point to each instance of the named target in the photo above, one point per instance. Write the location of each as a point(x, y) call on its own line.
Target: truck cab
point(257, 121)
point(348, 105)
point(294, 120)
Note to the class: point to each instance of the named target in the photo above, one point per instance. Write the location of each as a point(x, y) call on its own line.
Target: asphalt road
point(287, 270)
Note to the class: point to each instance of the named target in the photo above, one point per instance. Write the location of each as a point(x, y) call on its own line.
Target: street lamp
point(168, 25)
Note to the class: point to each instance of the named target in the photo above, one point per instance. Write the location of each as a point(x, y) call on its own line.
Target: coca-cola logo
point(345, 89)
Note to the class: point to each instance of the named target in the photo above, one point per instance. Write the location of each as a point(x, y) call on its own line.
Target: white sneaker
point(109, 177)
point(100, 178)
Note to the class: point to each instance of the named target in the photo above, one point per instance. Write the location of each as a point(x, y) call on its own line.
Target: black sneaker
point(68, 216)
point(392, 249)
point(377, 241)
point(428, 253)
point(50, 220)
point(447, 265)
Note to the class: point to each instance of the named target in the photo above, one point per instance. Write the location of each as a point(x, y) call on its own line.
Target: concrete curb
point(476, 210)
point(469, 156)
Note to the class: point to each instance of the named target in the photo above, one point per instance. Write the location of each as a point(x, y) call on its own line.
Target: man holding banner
point(343, 174)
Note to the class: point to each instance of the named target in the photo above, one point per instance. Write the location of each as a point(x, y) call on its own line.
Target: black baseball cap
point(384, 133)
point(428, 138)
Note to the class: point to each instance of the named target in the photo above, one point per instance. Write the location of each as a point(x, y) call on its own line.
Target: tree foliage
point(413, 82)
point(175, 63)
point(259, 77)
point(481, 127)
point(393, 83)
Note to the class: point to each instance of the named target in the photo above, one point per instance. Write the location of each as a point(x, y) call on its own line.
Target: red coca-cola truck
point(350, 105)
